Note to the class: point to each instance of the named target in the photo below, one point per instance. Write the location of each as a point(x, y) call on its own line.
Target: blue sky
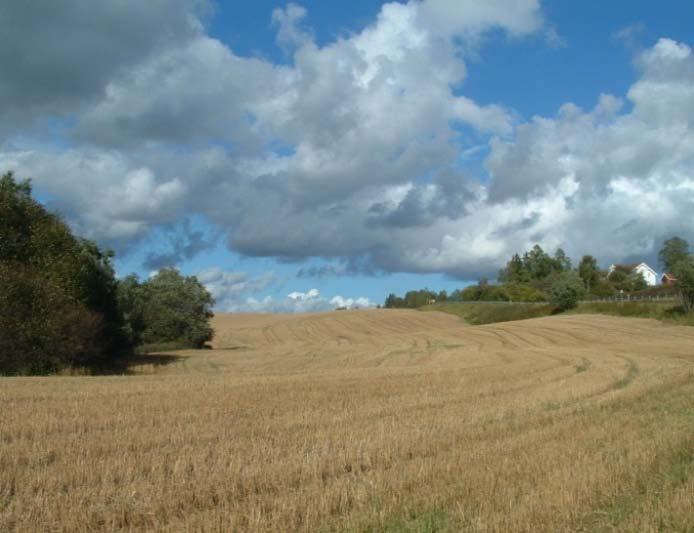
point(300, 156)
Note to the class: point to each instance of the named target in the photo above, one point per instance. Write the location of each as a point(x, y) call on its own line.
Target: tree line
point(537, 276)
point(61, 305)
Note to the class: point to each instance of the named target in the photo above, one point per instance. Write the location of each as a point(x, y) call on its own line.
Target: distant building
point(668, 279)
point(649, 275)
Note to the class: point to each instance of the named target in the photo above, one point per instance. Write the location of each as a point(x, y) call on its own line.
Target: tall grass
point(665, 311)
point(478, 313)
point(489, 313)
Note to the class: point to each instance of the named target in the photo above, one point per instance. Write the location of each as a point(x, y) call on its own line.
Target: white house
point(650, 275)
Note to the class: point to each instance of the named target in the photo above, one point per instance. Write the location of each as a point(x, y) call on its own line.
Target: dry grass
point(366, 421)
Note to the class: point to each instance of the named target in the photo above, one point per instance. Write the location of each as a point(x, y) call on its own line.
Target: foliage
point(59, 305)
point(603, 289)
point(624, 279)
point(684, 272)
point(524, 292)
point(412, 299)
point(536, 265)
point(167, 308)
point(483, 292)
point(566, 290)
point(491, 312)
point(589, 272)
point(514, 271)
point(674, 250)
point(43, 329)
point(132, 305)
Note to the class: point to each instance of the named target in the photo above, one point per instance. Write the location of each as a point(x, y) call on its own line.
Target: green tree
point(514, 272)
point(684, 272)
point(131, 301)
point(59, 305)
point(538, 263)
point(392, 301)
point(523, 292)
point(589, 272)
point(674, 250)
point(175, 308)
point(42, 328)
point(624, 279)
point(561, 260)
point(566, 290)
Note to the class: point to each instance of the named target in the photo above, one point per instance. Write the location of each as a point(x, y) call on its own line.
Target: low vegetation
point(61, 306)
point(365, 421)
point(478, 313)
point(489, 313)
point(538, 278)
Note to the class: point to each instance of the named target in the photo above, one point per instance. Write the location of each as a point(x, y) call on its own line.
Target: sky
point(302, 156)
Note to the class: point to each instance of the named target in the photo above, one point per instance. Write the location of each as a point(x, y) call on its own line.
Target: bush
point(483, 293)
point(524, 292)
point(566, 290)
point(603, 289)
point(167, 308)
point(684, 272)
point(57, 292)
point(42, 328)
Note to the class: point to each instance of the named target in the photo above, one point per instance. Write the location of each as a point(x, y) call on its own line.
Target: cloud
point(629, 35)
point(554, 39)
point(232, 290)
point(473, 17)
point(237, 292)
point(314, 144)
point(290, 35)
point(627, 175)
point(184, 243)
point(322, 271)
point(57, 58)
point(310, 301)
point(104, 195)
point(350, 152)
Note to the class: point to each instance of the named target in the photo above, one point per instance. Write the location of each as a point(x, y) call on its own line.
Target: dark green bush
point(57, 293)
point(566, 290)
point(167, 308)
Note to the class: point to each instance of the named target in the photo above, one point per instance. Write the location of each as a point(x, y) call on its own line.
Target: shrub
point(42, 328)
point(57, 292)
point(603, 289)
point(684, 272)
point(167, 308)
point(483, 293)
point(566, 290)
point(524, 292)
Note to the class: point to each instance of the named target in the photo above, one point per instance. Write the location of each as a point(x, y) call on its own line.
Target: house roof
point(645, 265)
point(669, 276)
point(628, 266)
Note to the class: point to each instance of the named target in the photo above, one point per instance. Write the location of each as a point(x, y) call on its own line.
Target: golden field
point(378, 420)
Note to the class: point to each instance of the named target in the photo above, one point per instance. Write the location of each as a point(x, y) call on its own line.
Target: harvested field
point(381, 420)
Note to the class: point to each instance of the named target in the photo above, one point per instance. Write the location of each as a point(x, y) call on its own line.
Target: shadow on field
point(127, 365)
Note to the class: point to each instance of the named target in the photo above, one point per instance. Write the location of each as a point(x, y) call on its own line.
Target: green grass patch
point(665, 311)
point(669, 471)
point(488, 313)
point(585, 365)
point(477, 313)
point(431, 521)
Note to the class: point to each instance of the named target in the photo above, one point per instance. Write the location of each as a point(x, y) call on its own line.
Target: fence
point(618, 298)
point(622, 298)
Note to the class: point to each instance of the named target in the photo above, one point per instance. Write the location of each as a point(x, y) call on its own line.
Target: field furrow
point(365, 421)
